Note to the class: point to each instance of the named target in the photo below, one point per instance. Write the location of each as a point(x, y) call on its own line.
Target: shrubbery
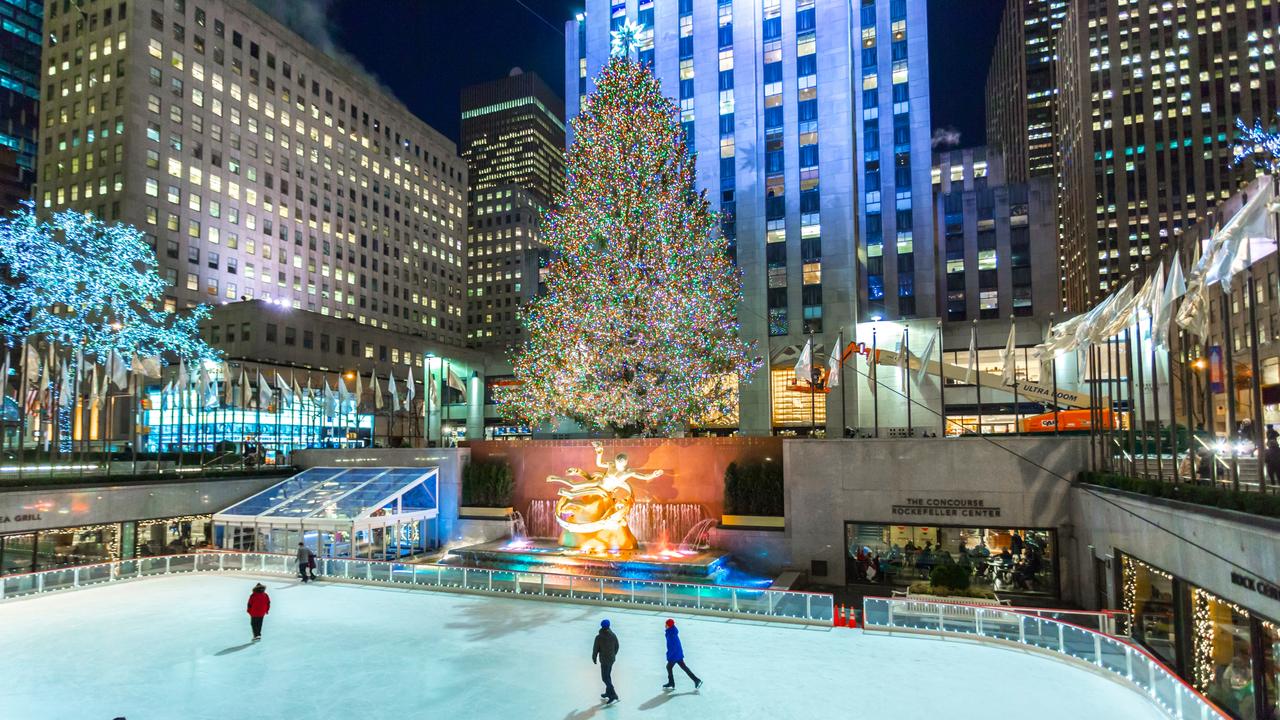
point(487, 484)
point(950, 575)
point(1255, 503)
point(753, 489)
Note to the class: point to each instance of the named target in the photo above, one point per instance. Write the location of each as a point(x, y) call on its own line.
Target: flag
point(208, 388)
point(65, 393)
point(359, 394)
point(872, 359)
point(287, 396)
point(377, 392)
point(433, 397)
point(31, 364)
point(1174, 288)
point(395, 393)
point(146, 366)
point(43, 387)
point(4, 376)
point(95, 389)
point(343, 395)
point(329, 399)
point(834, 362)
point(244, 388)
point(409, 393)
point(926, 356)
point(972, 364)
point(297, 391)
point(1009, 357)
point(264, 393)
point(456, 383)
point(804, 366)
point(116, 370)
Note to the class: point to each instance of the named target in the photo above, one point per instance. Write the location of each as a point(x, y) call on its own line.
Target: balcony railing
point(1115, 657)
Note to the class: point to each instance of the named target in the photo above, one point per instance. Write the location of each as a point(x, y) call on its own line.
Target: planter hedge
point(487, 484)
point(753, 489)
point(1267, 505)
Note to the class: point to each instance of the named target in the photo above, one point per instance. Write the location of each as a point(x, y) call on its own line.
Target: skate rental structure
point(381, 513)
point(595, 515)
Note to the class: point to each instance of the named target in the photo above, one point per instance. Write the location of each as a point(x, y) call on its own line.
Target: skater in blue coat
point(675, 656)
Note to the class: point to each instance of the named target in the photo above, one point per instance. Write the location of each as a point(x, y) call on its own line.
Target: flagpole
point(1136, 352)
point(1017, 420)
point(942, 383)
point(875, 395)
point(1173, 407)
point(813, 393)
point(1229, 358)
point(977, 370)
point(906, 376)
point(1259, 437)
point(1128, 381)
point(1155, 398)
point(133, 425)
point(22, 407)
point(844, 409)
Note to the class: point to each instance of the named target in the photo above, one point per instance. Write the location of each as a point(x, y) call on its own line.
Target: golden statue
point(593, 513)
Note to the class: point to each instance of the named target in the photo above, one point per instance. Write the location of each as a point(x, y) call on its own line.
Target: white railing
point(1111, 655)
point(781, 605)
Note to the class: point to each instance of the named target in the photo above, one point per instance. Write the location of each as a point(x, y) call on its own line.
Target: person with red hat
point(675, 656)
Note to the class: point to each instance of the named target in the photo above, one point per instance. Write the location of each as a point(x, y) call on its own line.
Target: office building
point(258, 167)
point(998, 238)
point(21, 23)
point(766, 94)
point(1021, 88)
point(513, 143)
point(1149, 96)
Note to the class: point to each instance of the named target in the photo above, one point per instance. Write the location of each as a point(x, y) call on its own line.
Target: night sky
point(426, 51)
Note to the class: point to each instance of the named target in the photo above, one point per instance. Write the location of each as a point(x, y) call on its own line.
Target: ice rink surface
point(178, 647)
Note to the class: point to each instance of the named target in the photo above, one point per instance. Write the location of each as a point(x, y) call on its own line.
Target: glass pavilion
point(362, 512)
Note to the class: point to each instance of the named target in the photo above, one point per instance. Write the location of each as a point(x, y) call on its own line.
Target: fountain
point(518, 531)
point(595, 526)
point(699, 536)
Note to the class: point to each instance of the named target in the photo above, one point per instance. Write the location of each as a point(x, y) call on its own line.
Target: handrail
point(1114, 656)
point(756, 603)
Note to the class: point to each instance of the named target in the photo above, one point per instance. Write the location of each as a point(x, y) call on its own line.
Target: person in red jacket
point(258, 607)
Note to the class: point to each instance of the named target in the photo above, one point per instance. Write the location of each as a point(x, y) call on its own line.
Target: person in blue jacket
point(675, 656)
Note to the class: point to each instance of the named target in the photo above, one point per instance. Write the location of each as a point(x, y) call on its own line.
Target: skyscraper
point(1021, 87)
point(1149, 96)
point(998, 238)
point(513, 142)
point(257, 166)
point(766, 92)
point(20, 45)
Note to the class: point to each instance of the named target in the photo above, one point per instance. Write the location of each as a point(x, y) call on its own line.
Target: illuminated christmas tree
point(637, 329)
point(82, 284)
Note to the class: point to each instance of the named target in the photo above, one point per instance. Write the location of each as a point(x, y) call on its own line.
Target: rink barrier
point(1029, 629)
point(730, 601)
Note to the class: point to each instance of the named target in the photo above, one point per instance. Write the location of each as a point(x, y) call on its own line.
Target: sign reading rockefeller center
point(945, 507)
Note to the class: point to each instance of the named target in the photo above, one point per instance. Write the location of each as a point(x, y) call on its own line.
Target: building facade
point(21, 27)
point(1021, 88)
point(767, 95)
point(513, 142)
point(257, 166)
point(1149, 96)
point(997, 238)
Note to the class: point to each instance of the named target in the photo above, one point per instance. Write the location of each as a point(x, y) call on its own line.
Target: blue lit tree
point(1257, 144)
point(83, 284)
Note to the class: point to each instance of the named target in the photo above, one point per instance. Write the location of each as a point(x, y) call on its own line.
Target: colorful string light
point(637, 330)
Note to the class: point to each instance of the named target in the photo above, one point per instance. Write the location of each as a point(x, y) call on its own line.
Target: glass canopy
point(341, 497)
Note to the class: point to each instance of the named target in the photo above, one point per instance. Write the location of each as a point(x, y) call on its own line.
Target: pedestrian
point(675, 656)
point(258, 607)
point(605, 651)
point(1271, 460)
point(311, 564)
point(304, 559)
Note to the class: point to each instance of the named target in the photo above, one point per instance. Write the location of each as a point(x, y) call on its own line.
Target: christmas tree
point(637, 329)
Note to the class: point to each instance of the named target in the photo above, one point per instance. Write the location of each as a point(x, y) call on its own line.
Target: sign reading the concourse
point(945, 507)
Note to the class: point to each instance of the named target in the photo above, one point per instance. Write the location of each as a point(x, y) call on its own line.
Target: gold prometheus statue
point(593, 513)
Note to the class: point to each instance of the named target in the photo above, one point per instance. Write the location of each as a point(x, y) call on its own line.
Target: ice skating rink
point(178, 647)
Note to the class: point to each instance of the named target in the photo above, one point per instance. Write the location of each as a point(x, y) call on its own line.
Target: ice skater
point(675, 656)
point(305, 563)
point(605, 651)
point(258, 607)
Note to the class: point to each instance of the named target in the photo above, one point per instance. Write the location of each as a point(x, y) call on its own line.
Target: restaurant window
point(1222, 657)
point(65, 547)
point(1000, 560)
point(1150, 601)
point(171, 536)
